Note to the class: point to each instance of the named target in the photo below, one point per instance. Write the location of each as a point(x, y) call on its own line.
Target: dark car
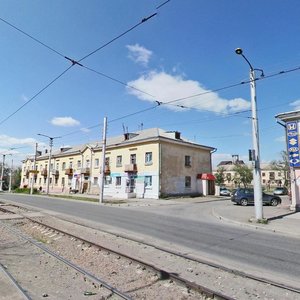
point(245, 196)
point(224, 191)
point(280, 191)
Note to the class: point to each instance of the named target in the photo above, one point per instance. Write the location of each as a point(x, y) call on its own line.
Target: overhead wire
point(74, 62)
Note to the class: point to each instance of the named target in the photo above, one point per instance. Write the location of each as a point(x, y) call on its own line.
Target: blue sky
point(185, 50)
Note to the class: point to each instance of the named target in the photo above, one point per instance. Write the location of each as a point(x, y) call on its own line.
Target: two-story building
point(150, 163)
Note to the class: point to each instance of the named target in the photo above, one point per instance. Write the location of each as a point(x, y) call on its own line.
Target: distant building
point(269, 176)
point(150, 163)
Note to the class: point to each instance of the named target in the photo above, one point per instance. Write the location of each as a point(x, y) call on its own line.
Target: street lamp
point(255, 141)
point(50, 152)
point(2, 173)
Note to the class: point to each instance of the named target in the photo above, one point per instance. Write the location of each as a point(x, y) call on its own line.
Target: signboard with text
point(293, 143)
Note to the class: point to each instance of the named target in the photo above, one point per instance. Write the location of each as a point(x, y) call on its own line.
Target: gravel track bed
point(41, 275)
point(123, 274)
point(140, 283)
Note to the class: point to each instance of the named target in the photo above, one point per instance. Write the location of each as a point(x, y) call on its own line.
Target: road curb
point(252, 226)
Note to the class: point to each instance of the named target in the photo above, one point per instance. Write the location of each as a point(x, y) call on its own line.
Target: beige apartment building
point(150, 163)
point(270, 178)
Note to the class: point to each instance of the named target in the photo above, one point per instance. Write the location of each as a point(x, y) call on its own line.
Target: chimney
point(126, 136)
point(177, 135)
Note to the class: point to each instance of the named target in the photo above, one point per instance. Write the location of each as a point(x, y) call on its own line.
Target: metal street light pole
point(2, 173)
point(10, 174)
point(50, 154)
point(255, 140)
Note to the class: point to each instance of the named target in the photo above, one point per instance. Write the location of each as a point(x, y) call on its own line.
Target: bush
point(25, 190)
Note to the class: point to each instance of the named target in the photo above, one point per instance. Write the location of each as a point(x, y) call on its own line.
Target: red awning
point(206, 176)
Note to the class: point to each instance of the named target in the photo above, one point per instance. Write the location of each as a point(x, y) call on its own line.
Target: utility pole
point(33, 173)
point(2, 173)
point(50, 154)
point(255, 140)
point(10, 174)
point(101, 183)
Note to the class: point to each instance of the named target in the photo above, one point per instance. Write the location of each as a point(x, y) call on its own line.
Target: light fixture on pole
point(255, 140)
point(50, 153)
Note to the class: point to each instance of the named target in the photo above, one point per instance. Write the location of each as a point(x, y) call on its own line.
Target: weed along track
point(114, 265)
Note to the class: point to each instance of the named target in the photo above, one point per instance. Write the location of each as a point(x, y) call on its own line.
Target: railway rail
point(161, 273)
point(13, 281)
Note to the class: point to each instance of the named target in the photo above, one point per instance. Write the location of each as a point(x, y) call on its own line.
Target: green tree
point(243, 175)
point(220, 176)
point(283, 165)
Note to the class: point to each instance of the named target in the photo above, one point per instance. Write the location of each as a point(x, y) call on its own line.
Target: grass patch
point(82, 198)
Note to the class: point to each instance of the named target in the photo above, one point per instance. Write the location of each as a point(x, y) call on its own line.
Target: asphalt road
point(190, 228)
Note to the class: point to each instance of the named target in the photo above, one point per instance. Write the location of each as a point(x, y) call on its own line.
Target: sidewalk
point(280, 219)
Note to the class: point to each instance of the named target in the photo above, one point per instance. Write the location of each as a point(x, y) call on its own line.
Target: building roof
point(289, 116)
point(128, 139)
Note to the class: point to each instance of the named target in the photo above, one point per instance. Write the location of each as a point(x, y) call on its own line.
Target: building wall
point(174, 171)
point(269, 178)
point(165, 174)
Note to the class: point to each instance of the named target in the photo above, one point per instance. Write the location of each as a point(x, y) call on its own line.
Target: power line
point(119, 36)
point(38, 93)
point(161, 5)
point(32, 37)
point(74, 62)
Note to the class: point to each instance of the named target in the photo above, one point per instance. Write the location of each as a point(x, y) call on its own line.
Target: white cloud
point(24, 98)
point(218, 157)
point(64, 121)
point(139, 54)
point(281, 139)
point(296, 104)
point(168, 87)
point(8, 141)
point(85, 130)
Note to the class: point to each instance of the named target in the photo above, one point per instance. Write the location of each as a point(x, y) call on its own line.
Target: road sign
point(293, 143)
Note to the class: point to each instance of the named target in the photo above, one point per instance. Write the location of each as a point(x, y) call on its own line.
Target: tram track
point(161, 273)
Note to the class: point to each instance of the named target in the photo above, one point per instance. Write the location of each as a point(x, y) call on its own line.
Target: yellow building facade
point(146, 164)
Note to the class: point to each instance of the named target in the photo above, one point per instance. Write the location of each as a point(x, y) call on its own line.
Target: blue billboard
point(293, 143)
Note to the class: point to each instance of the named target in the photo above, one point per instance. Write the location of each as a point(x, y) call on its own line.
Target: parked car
point(280, 191)
point(245, 196)
point(224, 191)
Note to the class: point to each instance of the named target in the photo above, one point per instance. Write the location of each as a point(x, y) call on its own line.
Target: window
point(78, 164)
point(118, 180)
point(148, 158)
point(272, 175)
point(95, 182)
point(148, 181)
point(263, 174)
point(187, 181)
point(56, 180)
point(63, 167)
point(107, 160)
point(63, 181)
point(57, 166)
point(119, 161)
point(107, 180)
point(228, 177)
point(133, 158)
point(71, 165)
point(187, 161)
point(279, 174)
point(87, 163)
point(96, 163)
